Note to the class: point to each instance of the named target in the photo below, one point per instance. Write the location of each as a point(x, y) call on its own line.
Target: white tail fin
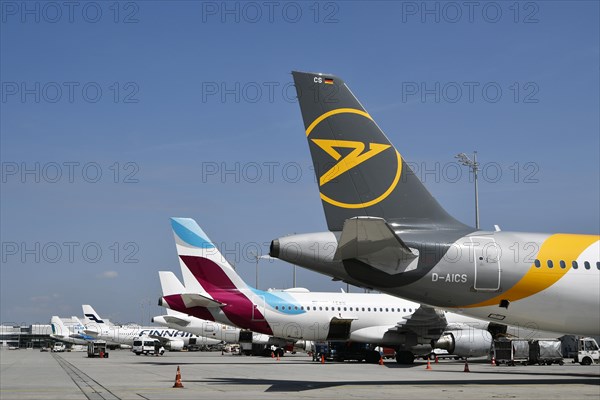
point(58, 327)
point(91, 316)
point(170, 284)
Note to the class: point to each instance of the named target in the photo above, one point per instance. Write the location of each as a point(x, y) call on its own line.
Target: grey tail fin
point(359, 172)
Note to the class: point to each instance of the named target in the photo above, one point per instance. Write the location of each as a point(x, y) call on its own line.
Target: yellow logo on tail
point(356, 157)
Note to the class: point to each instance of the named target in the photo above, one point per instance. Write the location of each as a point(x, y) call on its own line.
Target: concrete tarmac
point(31, 374)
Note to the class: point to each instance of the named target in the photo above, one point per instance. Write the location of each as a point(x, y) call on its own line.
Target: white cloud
point(109, 274)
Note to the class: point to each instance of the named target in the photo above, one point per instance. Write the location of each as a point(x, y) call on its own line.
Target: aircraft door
point(487, 263)
point(339, 329)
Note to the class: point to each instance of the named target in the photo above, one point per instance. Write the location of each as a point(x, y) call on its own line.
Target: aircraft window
point(392, 309)
point(350, 308)
point(598, 264)
point(587, 265)
point(387, 310)
point(302, 307)
point(562, 264)
point(326, 308)
point(574, 264)
point(339, 308)
point(344, 308)
point(550, 263)
point(381, 309)
point(314, 308)
point(320, 308)
point(295, 307)
point(369, 309)
point(277, 307)
point(289, 307)
point(363, 309)
point(537, 263)
point(410, 310)
point(404, 309)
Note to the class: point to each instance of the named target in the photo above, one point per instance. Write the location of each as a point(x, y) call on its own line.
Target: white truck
point(588, 352)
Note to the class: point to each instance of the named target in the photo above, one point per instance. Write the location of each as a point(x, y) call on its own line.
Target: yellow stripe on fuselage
point(557, 247)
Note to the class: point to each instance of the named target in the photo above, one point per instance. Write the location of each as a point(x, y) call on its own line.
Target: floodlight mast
point(474, 166)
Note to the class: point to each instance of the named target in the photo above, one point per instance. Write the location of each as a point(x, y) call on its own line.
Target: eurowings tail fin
point(171, 286)
point(359, 171)
point(202, 260)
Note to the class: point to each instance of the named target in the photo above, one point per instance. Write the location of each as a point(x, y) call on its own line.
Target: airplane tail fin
point(201, 259)
point(359, 171)
point(169, 283)
point(91, 316)
point(58, 327)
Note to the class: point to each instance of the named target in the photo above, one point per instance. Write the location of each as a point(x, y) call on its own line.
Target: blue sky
point(127, 123)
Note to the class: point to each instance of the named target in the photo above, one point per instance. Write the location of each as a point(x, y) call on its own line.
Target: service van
point(146, 346)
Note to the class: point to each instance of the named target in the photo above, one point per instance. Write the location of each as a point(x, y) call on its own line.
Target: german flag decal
point(328, 81)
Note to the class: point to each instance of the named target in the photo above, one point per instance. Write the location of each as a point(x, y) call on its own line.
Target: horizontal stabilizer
point(197, 300)
point(163, 341)
point(372, 241)
point(171, 319)
point(424, 321)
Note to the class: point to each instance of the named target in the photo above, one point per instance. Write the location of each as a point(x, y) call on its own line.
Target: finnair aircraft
point(170, 338)
point(214, 291)
point(387, 232)
point(74, 332)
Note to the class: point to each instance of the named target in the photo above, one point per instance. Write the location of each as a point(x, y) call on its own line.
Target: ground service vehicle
point(511, 351)
point(146, 346)
point(58, 347)
point(588, 351)
point(545, 351)
point(97, 348)
point(346, 351)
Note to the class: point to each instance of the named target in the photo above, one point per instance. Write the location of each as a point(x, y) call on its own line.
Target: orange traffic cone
point(178, 383)
point(436, 360)
point(277, 356)
point(322, 359)
point(380, 360)
point(428, 364)
point(466, 366)
point(272, 355)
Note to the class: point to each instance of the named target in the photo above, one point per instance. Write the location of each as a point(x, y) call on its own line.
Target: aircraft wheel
point(405, 357)
point(372, 357)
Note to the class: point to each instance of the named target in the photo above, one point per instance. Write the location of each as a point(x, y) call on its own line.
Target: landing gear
point(279, 352)
point(405, 357)
point(372, 357)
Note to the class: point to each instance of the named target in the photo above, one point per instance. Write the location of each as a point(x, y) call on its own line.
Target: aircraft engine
point(466, 343)
point(303, 345)
point(175, 345)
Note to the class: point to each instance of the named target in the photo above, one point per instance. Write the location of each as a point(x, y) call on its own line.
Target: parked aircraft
point(225, 333)
point(387, 232)
point(170, 338)
point(71, 333)
point(214, 291)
